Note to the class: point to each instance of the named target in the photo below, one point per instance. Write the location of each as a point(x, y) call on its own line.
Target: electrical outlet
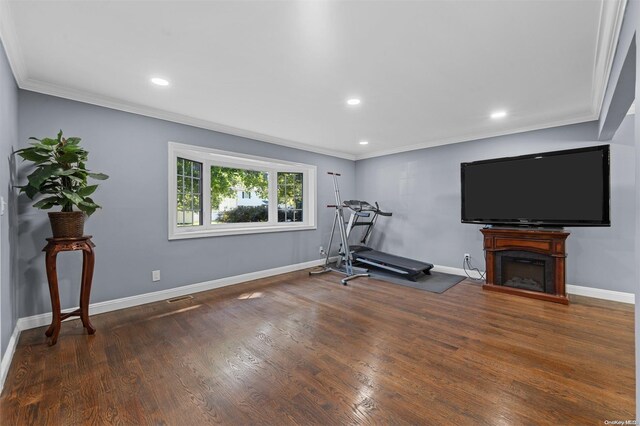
point(155, 275)
point(322, 250)
point(3, 205)
point(467, 256)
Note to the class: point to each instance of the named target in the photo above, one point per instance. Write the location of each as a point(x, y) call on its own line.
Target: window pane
point(290, 198)
point(189, 194)
point(239, 195)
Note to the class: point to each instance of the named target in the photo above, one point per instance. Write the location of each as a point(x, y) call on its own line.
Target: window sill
point(237, 231)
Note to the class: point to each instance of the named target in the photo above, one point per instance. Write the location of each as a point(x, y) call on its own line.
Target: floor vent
point(177, 299)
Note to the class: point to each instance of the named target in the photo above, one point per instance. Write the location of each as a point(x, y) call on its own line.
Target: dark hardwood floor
point(305, 350)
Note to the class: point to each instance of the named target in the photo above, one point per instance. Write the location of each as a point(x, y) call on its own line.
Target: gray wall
point(130, 231)
point(8, 246)
point(422, 189)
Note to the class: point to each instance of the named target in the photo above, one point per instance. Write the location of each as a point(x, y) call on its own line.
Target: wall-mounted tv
point(560, 188)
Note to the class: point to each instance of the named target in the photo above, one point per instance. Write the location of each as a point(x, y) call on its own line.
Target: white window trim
point(213, 157)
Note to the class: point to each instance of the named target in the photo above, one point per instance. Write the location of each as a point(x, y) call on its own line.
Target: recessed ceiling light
point(353, 101)
point(159, 81)
point(364, 142)
point(499, 114)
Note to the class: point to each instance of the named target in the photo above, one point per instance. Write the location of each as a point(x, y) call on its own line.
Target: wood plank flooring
point(295, 349)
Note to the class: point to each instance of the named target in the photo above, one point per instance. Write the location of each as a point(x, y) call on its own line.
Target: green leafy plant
point(243, 214)
point(60, 174)
point(225, 181)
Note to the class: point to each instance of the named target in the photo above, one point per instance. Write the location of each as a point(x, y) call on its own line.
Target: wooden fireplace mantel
point(542, 241)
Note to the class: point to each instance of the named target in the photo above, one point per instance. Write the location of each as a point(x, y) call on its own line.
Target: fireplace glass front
point(525, 270)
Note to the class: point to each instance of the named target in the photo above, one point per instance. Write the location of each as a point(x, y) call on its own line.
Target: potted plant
point(61, 176)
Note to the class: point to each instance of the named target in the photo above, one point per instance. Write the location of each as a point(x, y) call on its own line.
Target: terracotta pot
point(67, 224)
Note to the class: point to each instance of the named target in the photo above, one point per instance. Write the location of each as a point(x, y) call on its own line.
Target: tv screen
point(560, 188)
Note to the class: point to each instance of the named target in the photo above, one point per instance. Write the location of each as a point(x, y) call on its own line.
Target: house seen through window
point(231, 195)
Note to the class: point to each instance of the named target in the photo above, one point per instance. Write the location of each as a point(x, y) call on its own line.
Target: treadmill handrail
point(359, 206)
point(380, 212)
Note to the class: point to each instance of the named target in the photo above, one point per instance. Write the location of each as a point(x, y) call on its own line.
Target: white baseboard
point(455, 271)
point(598, 293)
point(127, 302)
point(142, 299)
point(8, 356)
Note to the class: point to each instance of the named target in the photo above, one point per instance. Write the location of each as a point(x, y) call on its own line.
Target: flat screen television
point(549, 189)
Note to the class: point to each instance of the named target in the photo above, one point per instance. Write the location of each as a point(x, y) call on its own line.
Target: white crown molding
point(108, 102)
point(610, 23)
point(477, 136)
point(20, 72)
point(103, 101)
point(611, 17)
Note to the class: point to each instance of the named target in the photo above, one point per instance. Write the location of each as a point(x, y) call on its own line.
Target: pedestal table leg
point(88, 260)
point(52, 277)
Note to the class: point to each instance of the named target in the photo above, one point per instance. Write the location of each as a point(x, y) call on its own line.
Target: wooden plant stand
point(53, 247)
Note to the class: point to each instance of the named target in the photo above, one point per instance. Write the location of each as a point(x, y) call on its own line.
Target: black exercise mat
point(437, 282)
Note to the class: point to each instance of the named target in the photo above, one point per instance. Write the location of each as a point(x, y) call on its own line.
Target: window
point(189, 193)
point(290, 197)
point(215, 192)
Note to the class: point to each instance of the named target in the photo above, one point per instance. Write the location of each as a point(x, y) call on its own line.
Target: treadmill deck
point(410, 265)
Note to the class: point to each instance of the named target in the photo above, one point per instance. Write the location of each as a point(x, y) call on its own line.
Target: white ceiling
point(428, 72)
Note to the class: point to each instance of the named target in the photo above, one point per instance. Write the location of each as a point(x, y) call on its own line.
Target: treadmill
point(366, 215)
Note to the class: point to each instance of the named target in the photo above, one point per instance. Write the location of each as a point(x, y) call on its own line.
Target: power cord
point(466, 263)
